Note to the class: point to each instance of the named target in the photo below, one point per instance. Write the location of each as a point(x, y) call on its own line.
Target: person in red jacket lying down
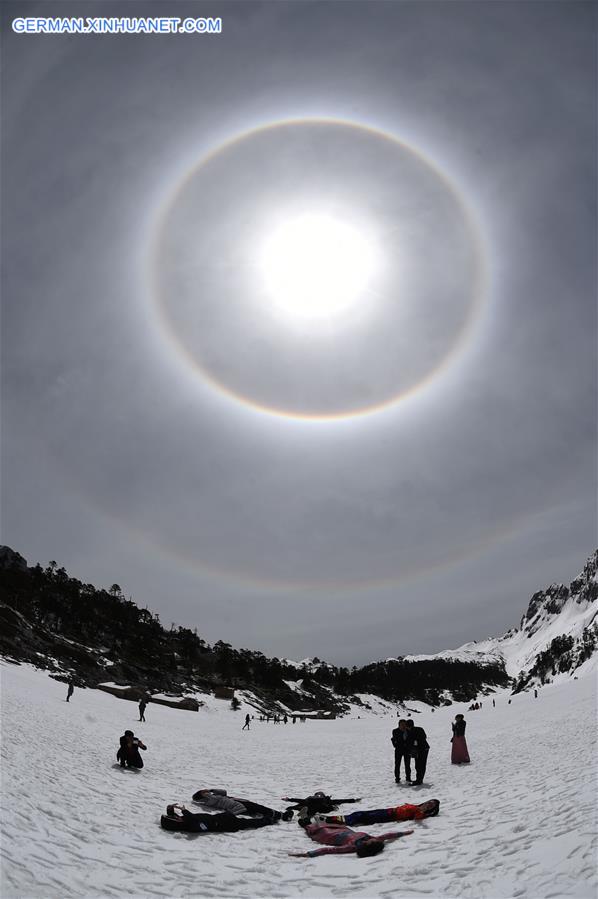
point(405, 812)
point(340, 838)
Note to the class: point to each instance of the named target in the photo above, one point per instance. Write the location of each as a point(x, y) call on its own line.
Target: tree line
point(135, 640)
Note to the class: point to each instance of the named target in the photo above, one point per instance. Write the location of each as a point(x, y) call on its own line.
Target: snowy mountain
point(557, 635)
point(97, 637)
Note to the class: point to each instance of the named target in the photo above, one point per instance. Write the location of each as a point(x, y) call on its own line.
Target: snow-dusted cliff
point(558, 634)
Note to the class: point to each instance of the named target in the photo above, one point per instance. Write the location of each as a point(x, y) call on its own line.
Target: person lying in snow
point(128, 754)
point(405, 812)
point(177, 817)
point(340, 838)
point(311, 805)
point(220, 801)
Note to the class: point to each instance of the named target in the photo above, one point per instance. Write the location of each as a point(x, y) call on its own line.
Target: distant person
point(70, 690)
point(142, 708)
point(459, 753)
point(535, 694)
point(493, 704)
point(399, 740)
point(219, 800)
point(418, 748)
point(317, 802)
point(285, 719)
point(247, 720)
point(128, 755)
point(404, 812)
point(340, 838)
point(177, 817)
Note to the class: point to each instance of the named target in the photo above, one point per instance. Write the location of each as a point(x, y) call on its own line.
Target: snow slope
point(519, 822)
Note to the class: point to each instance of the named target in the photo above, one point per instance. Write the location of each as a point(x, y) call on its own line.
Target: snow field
point(519, 822)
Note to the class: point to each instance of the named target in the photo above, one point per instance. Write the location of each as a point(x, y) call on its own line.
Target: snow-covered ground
point(520, 821)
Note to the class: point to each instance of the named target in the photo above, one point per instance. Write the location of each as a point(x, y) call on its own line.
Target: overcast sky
point(396, 478)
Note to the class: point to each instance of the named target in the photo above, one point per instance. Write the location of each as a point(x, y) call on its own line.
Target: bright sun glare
point(316, 266)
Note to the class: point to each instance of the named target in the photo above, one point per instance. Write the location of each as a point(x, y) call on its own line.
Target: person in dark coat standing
point(399, 741)
point(142, 707)
point(459, 752)
point(418, 748)
point(247, 720)
point(70, 690)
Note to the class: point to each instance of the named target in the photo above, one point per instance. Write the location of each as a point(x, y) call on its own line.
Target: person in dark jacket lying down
point(340, 838)
point(219, 800)
point(317, 803)
point(177, 817)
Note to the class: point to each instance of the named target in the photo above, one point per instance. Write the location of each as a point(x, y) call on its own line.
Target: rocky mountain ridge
point(557, 634)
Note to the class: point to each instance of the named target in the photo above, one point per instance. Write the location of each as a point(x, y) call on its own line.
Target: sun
point(316, 266)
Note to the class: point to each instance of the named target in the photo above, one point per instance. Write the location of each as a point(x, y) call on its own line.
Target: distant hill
point(97, 636)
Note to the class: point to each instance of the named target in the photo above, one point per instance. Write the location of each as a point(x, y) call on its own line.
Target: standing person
point(70, 690)
point(459, 753)
point(418, 748)
point(340, 838)
point(142, 707)
point(399, 741)
point(493, 704)
point(535, 694)
point(247, 720)
point(128, 754)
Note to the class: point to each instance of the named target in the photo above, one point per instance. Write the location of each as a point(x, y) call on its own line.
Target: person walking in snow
point(247, 720)
point(142, 707)
point(128, 753)
point(418, 748)
point(399, 741)
point(219, 800)
point(70, 690)
point(340, 838)
point(459, 751)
